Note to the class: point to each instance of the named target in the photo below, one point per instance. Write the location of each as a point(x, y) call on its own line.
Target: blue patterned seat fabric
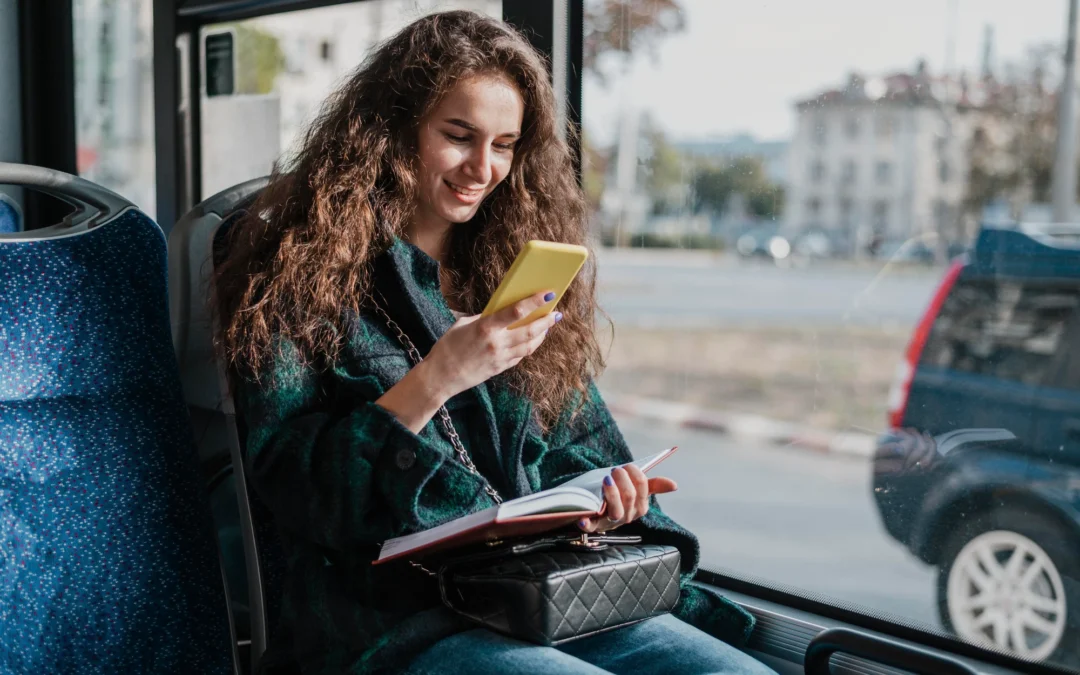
point(10, 216)
point(107, 556)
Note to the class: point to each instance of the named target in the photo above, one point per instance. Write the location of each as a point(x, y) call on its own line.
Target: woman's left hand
point(626, 493)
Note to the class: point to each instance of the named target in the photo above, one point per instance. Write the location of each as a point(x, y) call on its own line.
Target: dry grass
point(834, 378)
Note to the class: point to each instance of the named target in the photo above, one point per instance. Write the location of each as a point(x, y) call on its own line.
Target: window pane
point(114, 97)
point(870, 361)
point(286, 66)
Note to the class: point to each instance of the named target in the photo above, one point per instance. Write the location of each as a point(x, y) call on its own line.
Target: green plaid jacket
point(341, 475)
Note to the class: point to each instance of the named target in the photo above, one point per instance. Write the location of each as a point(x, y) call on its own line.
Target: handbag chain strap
point(444, 415)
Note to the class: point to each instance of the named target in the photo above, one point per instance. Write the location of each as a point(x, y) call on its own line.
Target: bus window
point(285, 66)
point(114, 96)
point(838, 272)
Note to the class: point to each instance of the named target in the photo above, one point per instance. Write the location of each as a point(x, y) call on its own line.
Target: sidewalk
point(740, 425)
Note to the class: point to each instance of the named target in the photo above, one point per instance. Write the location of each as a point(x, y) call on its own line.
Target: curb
point(740, 425)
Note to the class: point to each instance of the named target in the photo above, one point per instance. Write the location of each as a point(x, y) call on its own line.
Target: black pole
point(47, 54)
point(536, 21)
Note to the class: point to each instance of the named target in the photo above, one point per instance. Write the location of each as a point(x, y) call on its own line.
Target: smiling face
point(466, 147)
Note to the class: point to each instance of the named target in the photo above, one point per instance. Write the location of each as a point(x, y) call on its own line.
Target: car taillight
point(905, 370)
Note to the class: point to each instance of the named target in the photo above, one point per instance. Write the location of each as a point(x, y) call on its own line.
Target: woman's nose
point(478, 165)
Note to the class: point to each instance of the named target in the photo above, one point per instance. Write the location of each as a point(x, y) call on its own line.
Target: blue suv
point(980, 475)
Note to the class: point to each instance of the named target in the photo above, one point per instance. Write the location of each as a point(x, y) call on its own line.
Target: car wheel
point(1009, 580)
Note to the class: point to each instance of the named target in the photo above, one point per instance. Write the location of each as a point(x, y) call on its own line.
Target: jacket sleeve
point(336, 468)
point(580, 442)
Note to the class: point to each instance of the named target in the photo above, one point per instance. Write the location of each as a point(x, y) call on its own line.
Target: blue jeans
point(662, 644)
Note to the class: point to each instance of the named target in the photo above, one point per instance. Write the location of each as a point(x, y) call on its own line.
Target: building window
point(817, 171)
point(326, 50)
point(847, 174)
point(813, 208)
point(851, 127)
point(883, 172)
point(880, 221)
point(885, 125)
point(847, 213)
point(817, 130)
point(943, 171)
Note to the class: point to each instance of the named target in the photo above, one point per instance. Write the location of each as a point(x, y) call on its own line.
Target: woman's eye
point(504, 147)
point(457, 139)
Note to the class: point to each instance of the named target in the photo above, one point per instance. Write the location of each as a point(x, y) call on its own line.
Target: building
point(883, 159)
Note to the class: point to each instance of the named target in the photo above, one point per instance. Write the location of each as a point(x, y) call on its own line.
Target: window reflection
point(873, 381)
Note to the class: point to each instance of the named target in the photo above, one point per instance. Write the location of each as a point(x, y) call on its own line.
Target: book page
point(593, 481)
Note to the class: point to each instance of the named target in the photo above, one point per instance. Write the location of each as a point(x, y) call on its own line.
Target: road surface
point(696, 289)
point(787, 516)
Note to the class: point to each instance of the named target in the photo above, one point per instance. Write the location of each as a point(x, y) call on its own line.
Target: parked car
point(980, 476)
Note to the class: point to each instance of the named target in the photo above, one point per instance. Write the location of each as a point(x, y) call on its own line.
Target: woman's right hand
point(476, 349)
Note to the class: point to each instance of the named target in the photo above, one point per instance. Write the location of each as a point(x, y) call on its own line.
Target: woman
point(415, 189)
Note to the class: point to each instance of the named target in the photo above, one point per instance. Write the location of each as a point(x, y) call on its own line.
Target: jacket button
point(405, 459)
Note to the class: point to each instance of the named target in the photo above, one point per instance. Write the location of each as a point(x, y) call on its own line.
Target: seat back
point(11, 218)
point(109, 562)
point(192, 243)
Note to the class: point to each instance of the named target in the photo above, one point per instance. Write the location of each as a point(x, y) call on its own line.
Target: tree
point(259, 59)
point(623, 27)
point(713, 186)
point(1011, 151)
point(665, 172)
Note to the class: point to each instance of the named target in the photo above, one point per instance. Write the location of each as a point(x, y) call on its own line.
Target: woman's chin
point(460, 214)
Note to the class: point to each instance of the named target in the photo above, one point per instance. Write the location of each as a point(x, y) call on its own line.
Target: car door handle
point(879, 650)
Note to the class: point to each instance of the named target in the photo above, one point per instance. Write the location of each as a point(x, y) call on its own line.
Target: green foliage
point(259, 59)
point(714, 185)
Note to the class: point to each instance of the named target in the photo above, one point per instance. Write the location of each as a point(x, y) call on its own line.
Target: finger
point(532, 330)
point(641, 487)
point(616, 509)
point(660, 485)
point(589, 525)
point(521, 309)
point(522, 350)
point(628, 493)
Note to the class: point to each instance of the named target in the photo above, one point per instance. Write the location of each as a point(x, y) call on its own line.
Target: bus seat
point(11, 219)
point(109, 563)
point(219, 432)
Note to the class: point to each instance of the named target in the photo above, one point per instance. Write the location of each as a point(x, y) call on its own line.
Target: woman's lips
point(464, 195)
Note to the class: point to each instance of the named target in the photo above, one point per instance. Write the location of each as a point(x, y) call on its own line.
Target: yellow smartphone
point(541, 266)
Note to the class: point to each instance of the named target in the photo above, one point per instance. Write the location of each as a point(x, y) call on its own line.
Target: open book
point(550, 509)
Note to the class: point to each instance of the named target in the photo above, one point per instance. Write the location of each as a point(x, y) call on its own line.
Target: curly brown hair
point(300, 262)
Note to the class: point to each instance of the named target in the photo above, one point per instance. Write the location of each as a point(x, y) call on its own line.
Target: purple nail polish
point(583, 523)
point(609, 481)
point(558, 317)
point(549, 297)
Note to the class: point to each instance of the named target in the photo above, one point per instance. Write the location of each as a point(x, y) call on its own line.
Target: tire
point(1037, 600)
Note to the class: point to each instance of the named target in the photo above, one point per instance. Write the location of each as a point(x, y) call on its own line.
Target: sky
point(741, 64)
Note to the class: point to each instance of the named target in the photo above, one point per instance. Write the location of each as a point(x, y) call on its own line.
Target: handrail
point(94, 204)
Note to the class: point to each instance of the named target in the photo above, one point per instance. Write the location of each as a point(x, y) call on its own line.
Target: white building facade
point(884, 161)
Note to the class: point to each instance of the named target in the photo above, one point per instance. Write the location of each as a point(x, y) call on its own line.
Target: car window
point(1006, 329)
point(841, 273)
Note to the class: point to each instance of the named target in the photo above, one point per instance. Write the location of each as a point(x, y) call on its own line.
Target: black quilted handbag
point(557, 588)
point(553, 590)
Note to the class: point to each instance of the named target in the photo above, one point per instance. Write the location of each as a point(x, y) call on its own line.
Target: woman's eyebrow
point(456, 121)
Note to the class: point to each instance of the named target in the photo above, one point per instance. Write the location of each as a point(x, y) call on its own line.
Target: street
point(789, 517)
point(642, 287)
